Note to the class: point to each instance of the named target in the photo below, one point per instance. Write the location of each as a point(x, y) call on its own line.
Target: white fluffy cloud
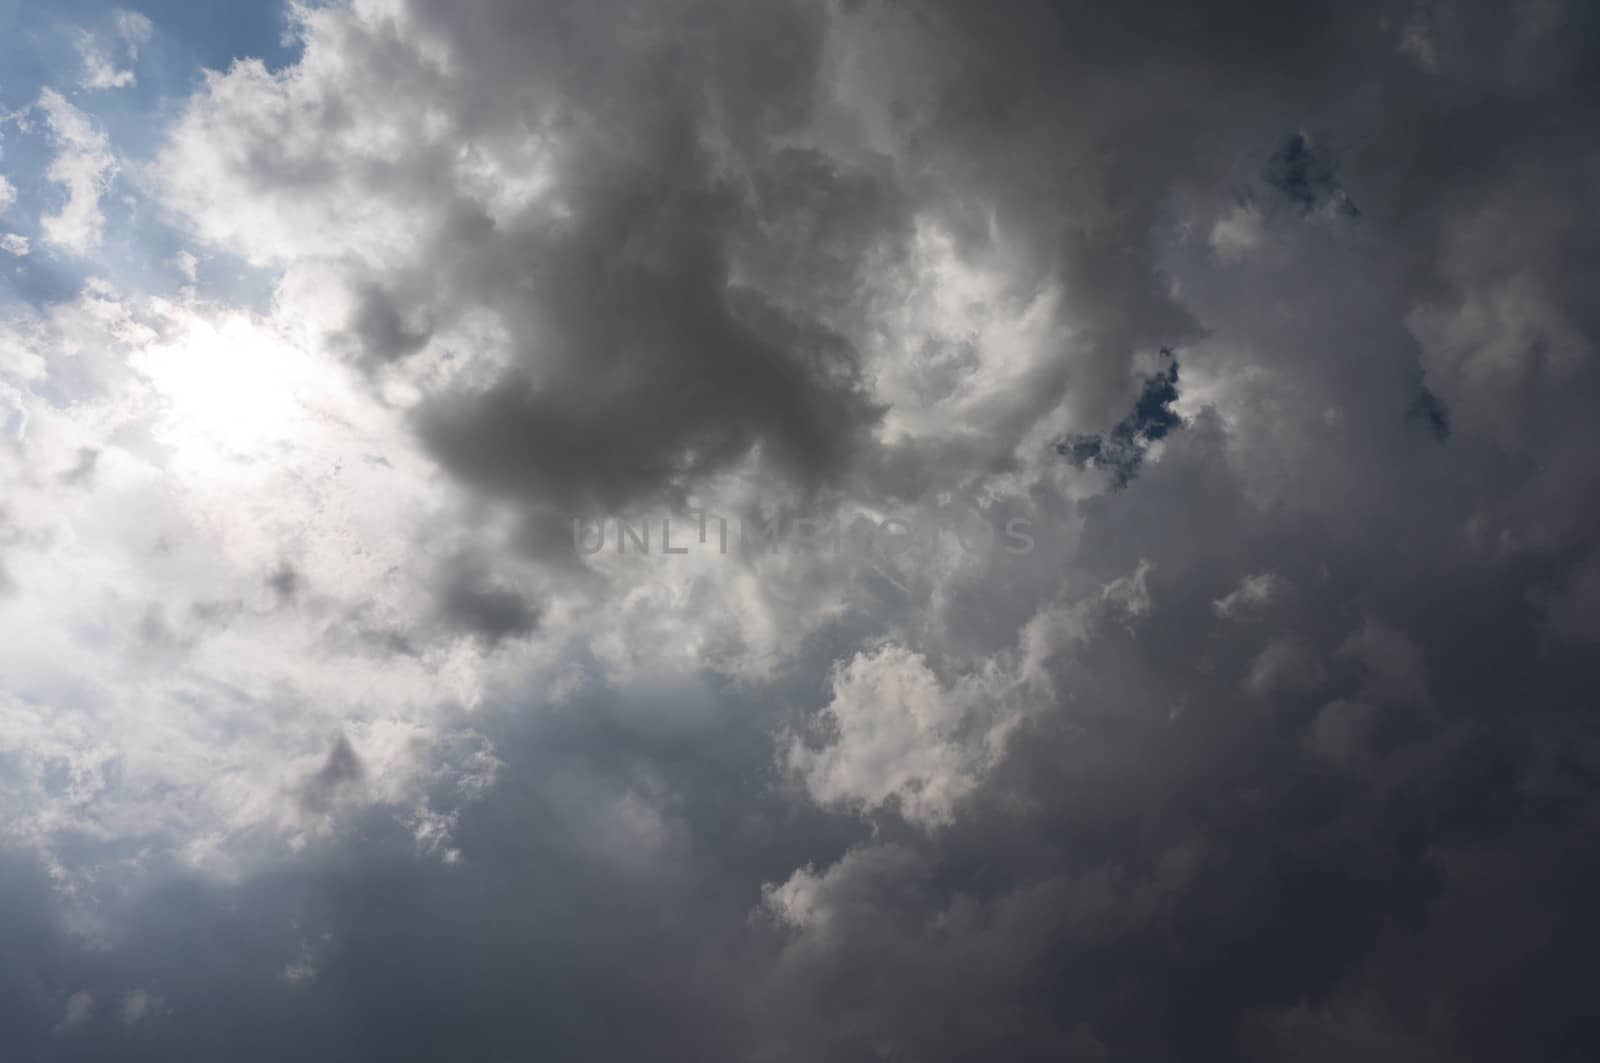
point(83, 166)
point(179, 531)
point(904, 736)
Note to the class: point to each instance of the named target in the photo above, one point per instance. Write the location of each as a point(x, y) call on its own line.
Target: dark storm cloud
point(1428, 410)
point(379, 331)
point(1307, 179)
point(1351, 820)
point(704, 393)
point(469, 601)
point(1141, 883)
point(586, 917)
point(641, 362)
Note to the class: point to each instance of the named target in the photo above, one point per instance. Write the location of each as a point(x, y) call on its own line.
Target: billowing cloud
point(901, 736)
point(1115, 542)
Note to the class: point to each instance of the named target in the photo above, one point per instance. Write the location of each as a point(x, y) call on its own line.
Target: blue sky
point(44, 46)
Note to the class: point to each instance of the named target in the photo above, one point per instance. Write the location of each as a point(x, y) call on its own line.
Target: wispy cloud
point(83, 166)
point(104, 53)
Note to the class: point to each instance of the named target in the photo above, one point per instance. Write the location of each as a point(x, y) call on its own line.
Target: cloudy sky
point(793, 530)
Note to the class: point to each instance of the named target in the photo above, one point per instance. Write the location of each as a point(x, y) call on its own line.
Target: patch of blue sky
point(42, 46)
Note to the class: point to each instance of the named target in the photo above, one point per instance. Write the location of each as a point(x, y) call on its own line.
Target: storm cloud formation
point(1275, 325)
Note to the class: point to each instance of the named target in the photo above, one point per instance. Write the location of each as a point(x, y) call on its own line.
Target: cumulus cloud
point(901, 735)
point(584, 285)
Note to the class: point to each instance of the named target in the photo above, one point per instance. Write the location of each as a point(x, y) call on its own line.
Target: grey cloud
point(378, 330)
point(470, 602)
point(1358, 823)
point(709, 395)
point(1309, 181)
point(340, 772)
point(639, 361)
point(284, 581)
point(82, 473)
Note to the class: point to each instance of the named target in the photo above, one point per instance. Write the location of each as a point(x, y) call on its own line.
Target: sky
point(791, 530)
